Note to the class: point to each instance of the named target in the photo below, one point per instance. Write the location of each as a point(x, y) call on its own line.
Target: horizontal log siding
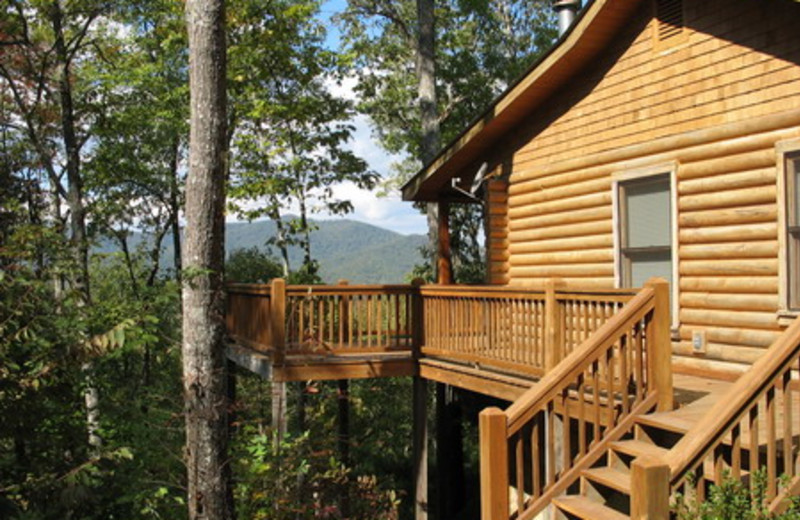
point(642, 108)
point(497, 232)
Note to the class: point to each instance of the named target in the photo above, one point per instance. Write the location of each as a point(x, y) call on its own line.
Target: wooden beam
point(659, 359)
point(331, 370)
point(420, 445)
point(277, 316)
point(494, 464)
point(649, 489)
point(444, 271)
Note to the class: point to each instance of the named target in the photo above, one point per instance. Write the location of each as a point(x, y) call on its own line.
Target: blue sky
point(387, 212)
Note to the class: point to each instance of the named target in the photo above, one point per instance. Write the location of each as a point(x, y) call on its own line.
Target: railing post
point(344, 317)
point(278, 320)
point(553, 325)
point(659, 349)
point(649, 489)
point(417, 319)
point(493, 426)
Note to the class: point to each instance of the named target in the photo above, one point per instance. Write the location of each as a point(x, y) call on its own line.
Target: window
point(645, 234)
point(792, 193)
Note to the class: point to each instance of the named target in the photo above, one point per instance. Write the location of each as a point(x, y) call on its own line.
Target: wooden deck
point(496, 340)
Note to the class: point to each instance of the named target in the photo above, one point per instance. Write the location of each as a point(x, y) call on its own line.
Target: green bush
point(734, 500)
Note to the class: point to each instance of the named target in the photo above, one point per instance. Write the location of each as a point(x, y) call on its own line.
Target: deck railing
point(345, 319)
point(519, 329)
point(247, 317)
point(564, 423)
point(756, 428)
point(322, 319)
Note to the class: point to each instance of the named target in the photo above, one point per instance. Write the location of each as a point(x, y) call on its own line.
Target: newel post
point(649, 489)
point(659, 355)
point(277, 311)
point(494, 464)
point(553, 325)
point(417, 324)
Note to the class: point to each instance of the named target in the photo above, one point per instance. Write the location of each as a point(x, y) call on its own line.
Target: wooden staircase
point(604, 490)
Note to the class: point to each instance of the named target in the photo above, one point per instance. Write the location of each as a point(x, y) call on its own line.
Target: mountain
point(345, 249)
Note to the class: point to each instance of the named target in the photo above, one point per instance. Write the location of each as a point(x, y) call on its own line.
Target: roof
point(589, 35)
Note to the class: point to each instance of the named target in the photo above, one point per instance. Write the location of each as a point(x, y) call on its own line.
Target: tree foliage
point(481, 48)
point(291, 129)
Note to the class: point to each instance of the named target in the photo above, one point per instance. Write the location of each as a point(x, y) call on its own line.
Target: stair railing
point(537, 448)
point(755, 427)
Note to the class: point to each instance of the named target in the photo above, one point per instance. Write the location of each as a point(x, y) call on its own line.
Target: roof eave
point(587, 37)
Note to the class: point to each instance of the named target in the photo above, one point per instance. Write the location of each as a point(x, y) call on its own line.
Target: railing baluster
point(536, 455)
point(753, 446)
point(736, 451)
point(581, 413)
point(565, 431)
point(520, 467)
point(772, 452)
point(786, 416)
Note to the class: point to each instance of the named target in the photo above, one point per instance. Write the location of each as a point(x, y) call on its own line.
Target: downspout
point(567, 10)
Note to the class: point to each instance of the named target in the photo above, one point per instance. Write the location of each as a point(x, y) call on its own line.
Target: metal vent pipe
point(567, 10)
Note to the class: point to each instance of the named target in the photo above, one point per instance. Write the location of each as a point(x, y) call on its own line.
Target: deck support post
point(420, 409)
point(277, 316)
point(277, 319)
point(554, 325)
point(649, 489)
point(659, 358)
point(420, 433)
point(343, 409)
point(493, 426)
point(444, 265)
point(450, 481)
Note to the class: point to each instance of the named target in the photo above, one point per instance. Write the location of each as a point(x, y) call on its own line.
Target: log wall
point(714, 105)
point(497, 232)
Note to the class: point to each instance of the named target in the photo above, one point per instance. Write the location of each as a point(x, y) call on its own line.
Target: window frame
point(619, 180)
point(788, 169)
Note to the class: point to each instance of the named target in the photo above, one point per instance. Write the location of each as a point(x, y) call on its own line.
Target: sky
point(388, 211)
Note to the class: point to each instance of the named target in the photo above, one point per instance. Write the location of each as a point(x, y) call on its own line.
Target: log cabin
point(641, 186)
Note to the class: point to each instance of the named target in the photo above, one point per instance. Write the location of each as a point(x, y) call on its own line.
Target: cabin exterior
point(642, 192)
point(658, 138)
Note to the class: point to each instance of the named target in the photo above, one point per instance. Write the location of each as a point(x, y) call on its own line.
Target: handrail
point(566, 372)
point(736, 421)
point(621, 370)
point(513, 328)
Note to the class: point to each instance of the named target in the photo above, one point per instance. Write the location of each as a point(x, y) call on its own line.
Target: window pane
point(794, 176)
point(648, 213)
point(645, 265)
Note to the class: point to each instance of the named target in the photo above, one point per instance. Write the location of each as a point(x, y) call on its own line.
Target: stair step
point(609, 477)
point(637, 448)
point(667, 421)
point(585, 508)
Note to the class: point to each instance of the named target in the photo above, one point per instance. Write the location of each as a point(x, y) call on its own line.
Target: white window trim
point(670, 168)
point(782, 150)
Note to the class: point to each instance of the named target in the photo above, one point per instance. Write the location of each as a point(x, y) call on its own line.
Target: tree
point(481, 47)
point(140, 140)
point(204, 377)
point(251, 265)
point(288, 144)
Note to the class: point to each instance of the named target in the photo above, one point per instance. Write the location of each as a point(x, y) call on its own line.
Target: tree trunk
point(204, 364)
point(79, 243)
point(429, 113)
point(429, 120)
point(175, 210)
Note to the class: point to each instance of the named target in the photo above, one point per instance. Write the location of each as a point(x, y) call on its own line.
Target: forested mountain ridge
point(346, 249)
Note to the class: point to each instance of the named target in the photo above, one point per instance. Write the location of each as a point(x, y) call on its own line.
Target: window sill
point(786, 317)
